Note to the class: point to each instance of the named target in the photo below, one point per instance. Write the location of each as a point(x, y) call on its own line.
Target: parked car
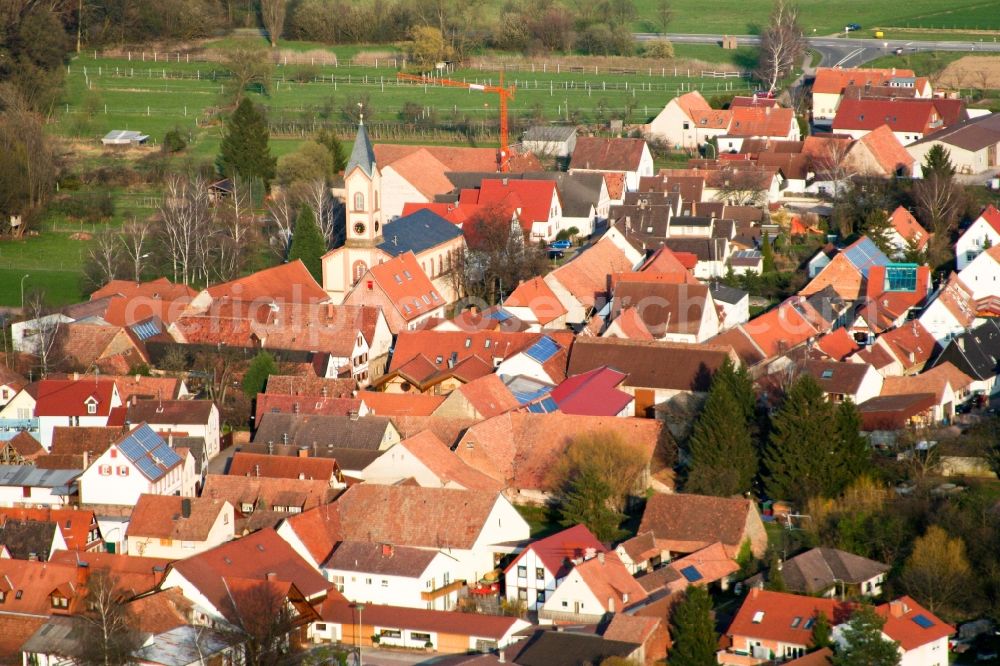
point(561, 245)
point(899, 51)
point(852, 27)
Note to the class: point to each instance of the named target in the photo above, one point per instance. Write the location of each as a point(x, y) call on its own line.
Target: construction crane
point(503, 155)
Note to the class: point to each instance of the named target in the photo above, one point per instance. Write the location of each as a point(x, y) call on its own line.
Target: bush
point(173, 142)
point(87, 206)
point(660, 48)
point(305, 73)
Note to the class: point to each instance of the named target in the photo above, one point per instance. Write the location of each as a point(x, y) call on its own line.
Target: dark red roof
point(557, 552)
point(592, 393)
point(69, 397)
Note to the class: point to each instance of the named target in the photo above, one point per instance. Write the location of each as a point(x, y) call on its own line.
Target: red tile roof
point(907, 226)
point(488, 395)
point(29, 584)
point(687, 523)
point(454, 158)
point(274, 403)
point(918, 115)
point(757, 121)
point(600, 154)
point(252, 557)
point(75, 525)
point(421, 517)
point(557, 552)
point(539, 298)
point(833, 80)
point(586, 276)
point(282, 467)
point(68, 397)
point(285, 283)
point(838, 344)
point(775, 613)
point(610, 582)
point(311, 385)
point(991, 216)
point(886, 149)
point(162, 517)
point(900, 625)
point(450, 211)
point(131, 303)
point(400, 404)
point(533, 198)
point(592, 393)
point(406, 285)
point(446, 465)
point(520, 449)
point(439, 347)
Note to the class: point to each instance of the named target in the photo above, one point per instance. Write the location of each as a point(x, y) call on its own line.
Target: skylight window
point(796, 621)
point(827, 374)
point(758, 617)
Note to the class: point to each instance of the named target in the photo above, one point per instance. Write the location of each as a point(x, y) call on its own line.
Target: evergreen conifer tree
point(588, 502)
point(821, 632)
point(802, 450)
point(854, 450)
point(693, 630)
point(244, 151)
point(723, 456)
point(937, 162)
point(878, 228)
point(863, 644)
point(336, 148)
point(261, 367)
point(308, 243)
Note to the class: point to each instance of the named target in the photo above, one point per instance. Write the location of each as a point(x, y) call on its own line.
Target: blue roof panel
point(864, 254)
point(544, 349)
point(691, 574)
point(419, 231)
point(923, 621)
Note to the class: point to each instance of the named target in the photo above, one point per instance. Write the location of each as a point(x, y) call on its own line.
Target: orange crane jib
point(503, 156)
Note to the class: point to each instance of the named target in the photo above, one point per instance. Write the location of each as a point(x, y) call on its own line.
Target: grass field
point(823, 16)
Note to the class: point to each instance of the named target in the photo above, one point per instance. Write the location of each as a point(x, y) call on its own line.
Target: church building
point(370, 241)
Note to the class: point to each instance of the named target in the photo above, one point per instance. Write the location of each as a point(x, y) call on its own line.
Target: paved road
point(846, 52)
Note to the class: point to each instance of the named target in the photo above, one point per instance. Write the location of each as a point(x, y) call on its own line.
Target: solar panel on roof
point(499, 315)
point(691, 573)
point(544, 349)
point(131, 448)
point(923, 621)
point(864, 254)
point(145, 330)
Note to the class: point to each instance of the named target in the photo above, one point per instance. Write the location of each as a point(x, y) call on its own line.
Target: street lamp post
point(359, 607)
point(23, 278)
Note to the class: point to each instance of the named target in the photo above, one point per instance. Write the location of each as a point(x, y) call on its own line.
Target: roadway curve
point(846, 52)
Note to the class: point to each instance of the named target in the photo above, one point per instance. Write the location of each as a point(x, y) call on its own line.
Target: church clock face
point(359, 228)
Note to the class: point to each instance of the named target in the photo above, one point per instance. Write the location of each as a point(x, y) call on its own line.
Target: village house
point(683, 523)
point(592, 591)
point(550, 140)
point(541, 567)
point(78, 528)
point(975, 354)
point(829, 572)
point(249, 576)
point(314, 434)
point(179, 418)
point(982, 234)
point(138, 463)
point(831, 83)
point(76, 402)
point(29, 540)
point(519, 449)
point(174, 527)
point(630, 157)
point(420, 629)
point(285, 467)
point(427, 461)
point(421, 174)
point(402, 290)
point(971, 145)
point(878, 153)
point(662, 311)
point(856, 382)
point(481, 398)
point(27, 485)
point(657, 371)
point(263, 501)
point(951, 310)
point(909, 119)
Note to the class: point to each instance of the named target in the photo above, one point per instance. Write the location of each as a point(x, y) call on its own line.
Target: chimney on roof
point(76, 376)
point(82, 571)
point(186, 507)
point(303, 452)
point(284, 438)
point(600, 558)
point(898, 608)
point(387, 550)
point(256, 470)
point(354, 415)
point(589, 553)
point(271, 576)
point(961, 343)
point(270, 447)
point(505, 181)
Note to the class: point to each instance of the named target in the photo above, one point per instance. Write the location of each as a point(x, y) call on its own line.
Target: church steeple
point(362, 155)
point(363, 185)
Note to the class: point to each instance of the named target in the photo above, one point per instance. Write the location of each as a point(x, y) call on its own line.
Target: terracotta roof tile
point(885, 148)
point(592, 393)
point(446, 465)
point(310, 385)
point(285, 283)
point(489, 396)
point(586, 276)
point(901, 115)
point(607, 154)
point(162, 516)
point(833, 80)
point(757, 121)
point(282, 467)
point(838, 344)
point(407, 286)
point(558, 551)
point(75, 525)
point(688, 523)
point(775, 613)
point(442, 622)
point(519, 449)
point(267, 492)
point(539, 298)
point(68, 397)
point(651, 364)
point(131, 303)
point(420, 517)
point(610, 582)
point(901, 626)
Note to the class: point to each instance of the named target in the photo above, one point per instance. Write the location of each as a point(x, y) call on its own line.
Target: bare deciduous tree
point(281, 214)
point(316, 195)
point(782, 44)
point(111, 635)
point(105, 258)
point(249, 64)
point(237, 232)
point(742, 186)
point(44, 333)
point(135, 238)
point(185, 225)
point(272, 15)
point(938, 202)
